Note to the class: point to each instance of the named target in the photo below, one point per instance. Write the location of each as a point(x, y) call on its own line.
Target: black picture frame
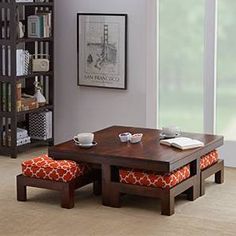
point(102, 50)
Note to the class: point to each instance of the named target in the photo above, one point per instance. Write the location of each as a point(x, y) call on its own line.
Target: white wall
point(80, 109)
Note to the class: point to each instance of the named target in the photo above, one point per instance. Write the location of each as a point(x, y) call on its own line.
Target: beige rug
point(213, 214)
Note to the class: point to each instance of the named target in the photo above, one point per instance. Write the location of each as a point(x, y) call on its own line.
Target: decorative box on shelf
point(40, 125)
point(27, 104)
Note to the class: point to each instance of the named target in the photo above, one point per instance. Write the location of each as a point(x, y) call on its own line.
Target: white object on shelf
point(40, 65)
point(24, 0)
point(23, 141)
point(38, 95)
point(22, 133)
point(40, 125)
point(33, 23)
point(22, 62)
point(20, 30)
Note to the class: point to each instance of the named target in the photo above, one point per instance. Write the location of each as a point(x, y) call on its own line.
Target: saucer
point(89, 145)
point(165, 136)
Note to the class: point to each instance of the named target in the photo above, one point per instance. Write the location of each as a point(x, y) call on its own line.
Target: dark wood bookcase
point(11, 12)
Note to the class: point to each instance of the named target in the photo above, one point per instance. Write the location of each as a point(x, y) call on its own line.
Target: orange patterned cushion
point(44, 167)
point(208, 159)
point(150, 178)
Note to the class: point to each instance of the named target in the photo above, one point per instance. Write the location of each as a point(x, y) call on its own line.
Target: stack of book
point(40, 25)
point(22, 137)
point(22, 62)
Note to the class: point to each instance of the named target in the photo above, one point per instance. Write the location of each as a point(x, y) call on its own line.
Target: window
point(193, 58)
point(181, 63)
point(226, 80)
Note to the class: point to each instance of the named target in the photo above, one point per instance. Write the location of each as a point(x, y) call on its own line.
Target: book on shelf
point(5, 30)
point(9, 97)
point(18, 96)
point(5, 97)
point(24, 0)
point(6, 60)
point(33, 24)
point(182, 143)
point(39, 25)
point(22, 62)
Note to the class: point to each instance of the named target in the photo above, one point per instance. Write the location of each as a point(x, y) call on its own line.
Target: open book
point(182, 143)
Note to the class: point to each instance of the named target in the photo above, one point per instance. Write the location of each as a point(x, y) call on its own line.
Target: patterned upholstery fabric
point(150, 178)
point(209, 159)
point(44, 167)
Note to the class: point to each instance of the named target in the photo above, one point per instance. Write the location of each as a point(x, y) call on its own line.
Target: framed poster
point(102, 50)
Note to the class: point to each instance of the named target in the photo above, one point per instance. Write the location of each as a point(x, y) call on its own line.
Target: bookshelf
point(18, 77)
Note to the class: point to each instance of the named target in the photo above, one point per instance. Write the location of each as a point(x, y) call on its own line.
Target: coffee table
point(110, 154)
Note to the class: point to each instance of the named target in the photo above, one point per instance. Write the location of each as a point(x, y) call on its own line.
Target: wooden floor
point(213, 214)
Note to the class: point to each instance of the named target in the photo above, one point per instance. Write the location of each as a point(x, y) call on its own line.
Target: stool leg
point(67, 196)
point(168, 204)
point(21, 189)
point(97, 187)
point(219, 176)
point(193, 193)
point(202, 191)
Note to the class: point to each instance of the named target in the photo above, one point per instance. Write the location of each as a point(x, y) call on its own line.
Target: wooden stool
point(216, 169)
point(209, 165)
point(63, 176)
point(65, 188)
point(164, 186)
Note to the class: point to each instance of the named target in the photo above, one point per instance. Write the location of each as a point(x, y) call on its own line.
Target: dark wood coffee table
point(110, 154)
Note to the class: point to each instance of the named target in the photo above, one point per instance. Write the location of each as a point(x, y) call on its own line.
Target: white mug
point(171, 130)
point(84, 138)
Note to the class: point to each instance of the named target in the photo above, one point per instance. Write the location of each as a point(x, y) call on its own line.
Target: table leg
point(110, 193)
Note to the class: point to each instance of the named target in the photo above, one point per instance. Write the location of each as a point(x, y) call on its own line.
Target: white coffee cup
point(84, 138)
point(171, 131)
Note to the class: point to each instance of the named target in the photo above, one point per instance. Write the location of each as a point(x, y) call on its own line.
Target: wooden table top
point(149, 153)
